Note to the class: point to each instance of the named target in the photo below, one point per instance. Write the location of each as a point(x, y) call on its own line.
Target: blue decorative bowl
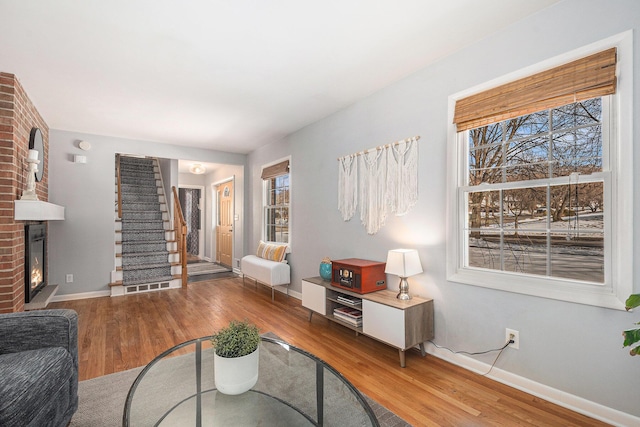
point(325, 271)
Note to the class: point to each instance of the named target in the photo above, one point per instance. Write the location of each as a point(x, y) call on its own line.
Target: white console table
point(401, 324)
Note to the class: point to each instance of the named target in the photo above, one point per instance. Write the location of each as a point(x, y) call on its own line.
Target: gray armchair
point(38, 368)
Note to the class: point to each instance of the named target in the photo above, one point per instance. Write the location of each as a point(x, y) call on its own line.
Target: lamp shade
point(403, 262)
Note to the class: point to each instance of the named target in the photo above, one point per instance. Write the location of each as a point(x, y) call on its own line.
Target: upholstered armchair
point(38, 368)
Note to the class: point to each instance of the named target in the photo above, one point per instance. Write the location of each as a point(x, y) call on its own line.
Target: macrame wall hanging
point(347, 186)
point(388, 182)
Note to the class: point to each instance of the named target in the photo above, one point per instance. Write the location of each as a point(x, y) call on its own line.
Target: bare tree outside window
point(533, 205)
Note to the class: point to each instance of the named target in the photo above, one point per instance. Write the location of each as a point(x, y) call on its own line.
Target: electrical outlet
point(514, 335)
point(69, 278)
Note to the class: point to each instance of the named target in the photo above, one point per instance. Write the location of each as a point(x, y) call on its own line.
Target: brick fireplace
point(18, 116)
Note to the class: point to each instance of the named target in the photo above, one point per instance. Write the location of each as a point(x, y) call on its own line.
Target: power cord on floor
point(501, 349)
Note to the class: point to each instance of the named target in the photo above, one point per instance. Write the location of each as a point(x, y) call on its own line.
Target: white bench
point(267, 272)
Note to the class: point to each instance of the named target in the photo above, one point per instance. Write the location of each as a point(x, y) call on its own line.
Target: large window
point(535, 193)
point(539, 183)
point(276, 202)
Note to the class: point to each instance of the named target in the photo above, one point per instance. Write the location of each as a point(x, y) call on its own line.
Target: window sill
point(581, 293)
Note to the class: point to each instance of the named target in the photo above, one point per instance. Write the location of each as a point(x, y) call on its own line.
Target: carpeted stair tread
point(142, 236)
point(139, 198)
point(142, 254)
point(137, 206)
point(141, 215)
point(137, 248)
point(144, 266)
point(144, 225)
point(151, 259)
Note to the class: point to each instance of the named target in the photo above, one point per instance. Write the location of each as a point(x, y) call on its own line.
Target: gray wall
point(170, 176)
point(567, 346)
point(84, 244)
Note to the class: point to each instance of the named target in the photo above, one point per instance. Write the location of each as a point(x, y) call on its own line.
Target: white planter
point(235, 375)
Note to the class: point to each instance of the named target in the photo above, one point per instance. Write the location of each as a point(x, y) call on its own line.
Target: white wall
point(569, 347)
point(83, 244)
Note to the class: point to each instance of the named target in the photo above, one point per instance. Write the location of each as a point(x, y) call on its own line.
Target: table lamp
point(403, 263)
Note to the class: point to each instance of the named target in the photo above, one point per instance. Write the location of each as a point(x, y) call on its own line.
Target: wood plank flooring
point(116, 334)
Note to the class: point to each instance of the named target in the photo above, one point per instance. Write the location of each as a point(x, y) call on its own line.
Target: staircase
point(146, 251)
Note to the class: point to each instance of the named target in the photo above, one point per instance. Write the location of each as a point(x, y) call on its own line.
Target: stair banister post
point(180, 226)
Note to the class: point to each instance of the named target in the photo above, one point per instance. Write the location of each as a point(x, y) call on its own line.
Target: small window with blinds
point(276, 181)
point(538, 187)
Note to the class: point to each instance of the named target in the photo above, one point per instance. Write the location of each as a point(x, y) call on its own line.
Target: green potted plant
point(632, 336)
point(236, 354)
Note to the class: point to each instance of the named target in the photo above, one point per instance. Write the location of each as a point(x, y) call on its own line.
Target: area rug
point(102, 400)
point(199, 268)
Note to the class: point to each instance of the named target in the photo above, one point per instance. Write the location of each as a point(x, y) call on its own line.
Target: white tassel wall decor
point(387, 182)
point(402, 176)
point(347, 186)
point(373, 203)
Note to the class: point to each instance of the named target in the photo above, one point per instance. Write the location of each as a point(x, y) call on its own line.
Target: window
point(535, 194)
point(538, 184)
point(276, 202)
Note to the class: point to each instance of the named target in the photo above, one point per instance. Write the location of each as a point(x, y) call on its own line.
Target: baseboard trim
point(553, 395)
point(83, 295)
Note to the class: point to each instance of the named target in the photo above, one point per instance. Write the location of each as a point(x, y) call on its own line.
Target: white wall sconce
point(403, 263)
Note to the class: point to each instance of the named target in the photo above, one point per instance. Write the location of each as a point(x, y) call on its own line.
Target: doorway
point(224, 223)
point(191, 203)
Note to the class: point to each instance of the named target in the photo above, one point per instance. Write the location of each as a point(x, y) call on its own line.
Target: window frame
point(618, 283)
point(266, 199)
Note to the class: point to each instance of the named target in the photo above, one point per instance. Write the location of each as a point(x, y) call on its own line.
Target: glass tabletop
point(294, 388)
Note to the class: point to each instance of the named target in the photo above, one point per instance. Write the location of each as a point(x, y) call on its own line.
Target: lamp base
point(404, 290)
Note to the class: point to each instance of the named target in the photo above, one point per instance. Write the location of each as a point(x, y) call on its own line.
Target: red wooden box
point(358, 275)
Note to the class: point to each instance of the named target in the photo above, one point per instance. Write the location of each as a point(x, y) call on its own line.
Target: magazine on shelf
point(347, 319)
point(349, 300)
point(349, 312)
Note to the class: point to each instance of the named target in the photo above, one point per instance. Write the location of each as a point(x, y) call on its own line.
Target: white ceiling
point(230, 75)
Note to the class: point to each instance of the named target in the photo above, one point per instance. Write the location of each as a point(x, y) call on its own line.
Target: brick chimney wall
point(17, 116)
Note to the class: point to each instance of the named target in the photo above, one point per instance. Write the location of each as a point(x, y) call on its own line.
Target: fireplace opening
point(35, 263)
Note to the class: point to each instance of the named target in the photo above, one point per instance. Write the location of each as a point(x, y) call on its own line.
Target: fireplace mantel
point(35, 210)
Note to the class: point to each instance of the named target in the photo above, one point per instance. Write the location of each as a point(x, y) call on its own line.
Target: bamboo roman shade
point(275, 170)
point(585, 78)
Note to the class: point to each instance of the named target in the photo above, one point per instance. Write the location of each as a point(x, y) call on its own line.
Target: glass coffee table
point(294, 388)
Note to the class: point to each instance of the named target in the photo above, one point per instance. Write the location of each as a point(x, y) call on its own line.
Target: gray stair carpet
point(145, 258)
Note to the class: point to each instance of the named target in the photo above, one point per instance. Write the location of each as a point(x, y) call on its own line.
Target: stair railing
point(180, 227)
point(119, 181)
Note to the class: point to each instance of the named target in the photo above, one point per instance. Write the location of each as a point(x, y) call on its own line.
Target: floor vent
point(147, 287)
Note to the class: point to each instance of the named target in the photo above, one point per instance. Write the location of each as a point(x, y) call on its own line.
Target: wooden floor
point(120, 333)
